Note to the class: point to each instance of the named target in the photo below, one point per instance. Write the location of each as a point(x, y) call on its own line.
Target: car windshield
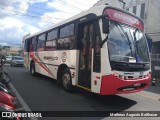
point(9, 57)
point(18, 58)
point(127, 44)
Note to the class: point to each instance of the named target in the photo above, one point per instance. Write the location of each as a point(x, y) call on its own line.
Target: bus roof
point(97, 10)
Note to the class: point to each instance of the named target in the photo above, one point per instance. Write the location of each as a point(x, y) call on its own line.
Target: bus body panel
point(114, 85)
point(96, 82)
point(47, 62)
point(104, 82)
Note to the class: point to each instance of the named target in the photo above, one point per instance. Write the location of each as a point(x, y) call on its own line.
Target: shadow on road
point(108, 103)
point(98, 102)
point(42, 88)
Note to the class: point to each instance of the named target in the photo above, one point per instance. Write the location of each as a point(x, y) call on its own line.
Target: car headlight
point(14, 61)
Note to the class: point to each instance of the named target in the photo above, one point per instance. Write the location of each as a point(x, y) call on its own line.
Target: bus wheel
point(67, 80)
point(32, 69)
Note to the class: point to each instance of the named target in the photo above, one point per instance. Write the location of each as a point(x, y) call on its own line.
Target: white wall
point(153, 20)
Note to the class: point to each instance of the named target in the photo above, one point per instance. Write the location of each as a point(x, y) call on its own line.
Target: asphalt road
point(43, 94)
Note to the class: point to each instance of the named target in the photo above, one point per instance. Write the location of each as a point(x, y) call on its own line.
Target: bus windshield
point(127, 44)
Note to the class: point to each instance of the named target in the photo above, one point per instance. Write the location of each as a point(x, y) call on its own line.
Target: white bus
point(103, 50)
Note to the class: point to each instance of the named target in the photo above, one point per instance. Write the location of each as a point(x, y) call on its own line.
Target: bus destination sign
point(124, 18)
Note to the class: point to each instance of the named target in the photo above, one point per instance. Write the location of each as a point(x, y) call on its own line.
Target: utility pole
point(122, 3)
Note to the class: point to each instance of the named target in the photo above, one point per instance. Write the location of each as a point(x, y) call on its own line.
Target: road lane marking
point(21, 100)
point(148, 96)
point(20, 109)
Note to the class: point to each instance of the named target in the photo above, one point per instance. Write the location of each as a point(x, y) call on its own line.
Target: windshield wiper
point(126, 36)
point(136, 42)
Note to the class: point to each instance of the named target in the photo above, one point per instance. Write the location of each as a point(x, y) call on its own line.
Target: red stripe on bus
point(36, 60)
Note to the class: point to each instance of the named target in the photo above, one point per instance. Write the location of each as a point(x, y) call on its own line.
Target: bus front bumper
point(112, 85)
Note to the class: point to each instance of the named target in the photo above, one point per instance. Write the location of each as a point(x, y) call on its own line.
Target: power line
point(153, 27)
point(81, 3)
point(28, 15)
point(33, 16)
point(50, 9)
point(64, 3)
point(36, 19)
point(155, 35)
point(34, 12)
point(73, 7)
point(42, 19)
point(154, 32)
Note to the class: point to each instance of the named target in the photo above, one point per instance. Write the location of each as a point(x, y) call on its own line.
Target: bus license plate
point(137, 84)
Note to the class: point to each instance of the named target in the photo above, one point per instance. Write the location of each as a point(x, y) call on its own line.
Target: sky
point(20, 17)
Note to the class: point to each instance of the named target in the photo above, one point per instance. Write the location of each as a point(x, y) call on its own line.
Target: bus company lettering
point(126, 18)
point(50, 58)
point(128, 73)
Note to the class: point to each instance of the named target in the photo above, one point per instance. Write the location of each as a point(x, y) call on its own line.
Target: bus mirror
point(105, 25)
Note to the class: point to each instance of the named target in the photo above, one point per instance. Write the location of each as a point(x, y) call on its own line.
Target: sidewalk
point(154, 89)
point(152, 93)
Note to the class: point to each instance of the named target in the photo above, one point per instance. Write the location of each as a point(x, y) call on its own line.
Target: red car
point(7, 99)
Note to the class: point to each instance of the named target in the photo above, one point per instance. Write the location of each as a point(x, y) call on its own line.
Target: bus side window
point(58, 45)
point(41, 42)
point(67, 37)
point(33, 45)
point(71, 42)
point(27, 45)
point(51, 42)
point(68, 45)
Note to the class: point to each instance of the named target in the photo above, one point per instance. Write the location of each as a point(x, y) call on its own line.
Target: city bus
point(102, 50)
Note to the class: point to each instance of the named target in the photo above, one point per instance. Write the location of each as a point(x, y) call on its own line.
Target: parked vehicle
point(2, 88)
point(8, 59)
point(3, 59)
point(7, 99)
point(6, 90)
point(7, 108)
point(4, 77)
point(17, 61)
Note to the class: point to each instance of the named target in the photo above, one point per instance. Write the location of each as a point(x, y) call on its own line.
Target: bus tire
point(67, 80)
point(32, 69)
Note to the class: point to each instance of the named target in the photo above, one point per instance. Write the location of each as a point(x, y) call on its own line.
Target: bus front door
point(85, 41)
